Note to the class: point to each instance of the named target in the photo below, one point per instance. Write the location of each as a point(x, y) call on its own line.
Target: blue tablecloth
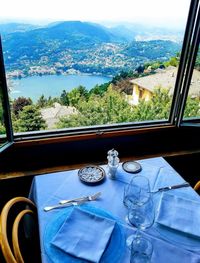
point(50, 188)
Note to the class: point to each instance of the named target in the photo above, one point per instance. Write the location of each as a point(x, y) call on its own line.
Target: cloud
point(154, 11)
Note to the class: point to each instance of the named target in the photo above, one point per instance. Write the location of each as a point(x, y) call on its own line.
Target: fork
point(75, 201)
point(83, 198)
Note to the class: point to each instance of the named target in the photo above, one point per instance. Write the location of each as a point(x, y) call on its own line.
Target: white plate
point(92, 174)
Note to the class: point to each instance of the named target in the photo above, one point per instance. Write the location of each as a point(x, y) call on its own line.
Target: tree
point(2, 129)
point(30, 119)
point(192, 108)
point(99, 89)
point(46, 102)
point(110, 108)
point(157, 108)
point(64, 100)
point(116, 108)
point(42, 102)
point(83, 91)
point(77, 94)
point(155, 65)
point(197, 63)
point(1, 114)
point(174, 61)
point(19, 103)
point(161, 103)
point(51, 101)
point(140, 69)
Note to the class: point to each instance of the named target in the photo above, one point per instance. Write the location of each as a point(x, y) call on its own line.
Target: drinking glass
point(140, 215)
point(141, 250)
point(137, 191)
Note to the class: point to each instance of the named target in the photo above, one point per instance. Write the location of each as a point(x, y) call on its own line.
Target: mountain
point(64, 35)
point(55, 38)
point(76, 30)
point(7, 28)
point(81, 46)
point(70, 33)
point(153, 50)
point(141, 32)
point(123, 32)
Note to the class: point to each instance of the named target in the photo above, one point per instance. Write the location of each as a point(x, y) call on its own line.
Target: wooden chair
point(197, 186)
point(14, 255)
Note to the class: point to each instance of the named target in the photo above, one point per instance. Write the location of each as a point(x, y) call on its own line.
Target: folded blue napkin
point(84, 235)
point(179, 213)
point(165, 252)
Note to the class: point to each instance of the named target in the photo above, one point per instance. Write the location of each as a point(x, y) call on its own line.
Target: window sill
point(60, 168)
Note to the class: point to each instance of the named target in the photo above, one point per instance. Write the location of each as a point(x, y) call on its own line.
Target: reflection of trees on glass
point(2, 124)
point(193, 101)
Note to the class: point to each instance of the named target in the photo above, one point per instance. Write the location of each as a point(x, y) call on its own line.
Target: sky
point(162, 12)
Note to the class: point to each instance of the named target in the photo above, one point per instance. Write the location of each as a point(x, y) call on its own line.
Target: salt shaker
point(113, 163)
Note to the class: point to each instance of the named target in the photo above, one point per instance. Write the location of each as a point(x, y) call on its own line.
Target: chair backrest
point(197, 186)
point(14, 256)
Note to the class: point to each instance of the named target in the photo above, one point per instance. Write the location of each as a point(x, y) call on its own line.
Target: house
point(52, 114)
point(143, 88)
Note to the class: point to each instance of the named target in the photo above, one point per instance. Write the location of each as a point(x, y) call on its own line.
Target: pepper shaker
point(113, 163)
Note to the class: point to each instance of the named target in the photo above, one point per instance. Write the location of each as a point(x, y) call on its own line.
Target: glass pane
point(3, 137)
point(192, 109)
point(84, 62)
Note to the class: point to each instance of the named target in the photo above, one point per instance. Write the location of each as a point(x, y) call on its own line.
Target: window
point(123, 71)
point(6, 136)
point(2, 123)
point(192, 109)
point(111, 68)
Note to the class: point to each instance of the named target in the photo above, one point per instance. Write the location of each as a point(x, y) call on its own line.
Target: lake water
point(52, 85)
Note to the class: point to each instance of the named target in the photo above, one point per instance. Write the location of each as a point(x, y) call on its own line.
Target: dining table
point(174, 235)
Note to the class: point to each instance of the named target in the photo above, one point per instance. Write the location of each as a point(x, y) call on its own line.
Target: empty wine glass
point(141, 250)
point(131, 194)
point(140, 215)
point(137, 191)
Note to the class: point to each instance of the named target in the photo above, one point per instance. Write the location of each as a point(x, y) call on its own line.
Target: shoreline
point(22, 76)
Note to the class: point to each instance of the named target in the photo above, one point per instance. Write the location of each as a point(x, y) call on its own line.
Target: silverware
point(48, 208)
point(186, 184)
point(75, 202)
point(83, 198)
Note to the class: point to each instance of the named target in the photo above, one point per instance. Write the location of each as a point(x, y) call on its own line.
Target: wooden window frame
point(137, 137)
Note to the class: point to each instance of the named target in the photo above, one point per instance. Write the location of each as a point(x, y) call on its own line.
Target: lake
point(52, 85)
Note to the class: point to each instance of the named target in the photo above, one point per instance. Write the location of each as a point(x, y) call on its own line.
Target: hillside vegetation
point(61, 48)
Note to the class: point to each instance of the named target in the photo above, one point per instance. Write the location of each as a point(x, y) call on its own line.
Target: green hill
point(85, 47)
point(152, 50)
point(51, 40)
point(7, 28)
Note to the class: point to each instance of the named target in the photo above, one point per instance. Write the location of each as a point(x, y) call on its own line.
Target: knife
point(186, 184)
